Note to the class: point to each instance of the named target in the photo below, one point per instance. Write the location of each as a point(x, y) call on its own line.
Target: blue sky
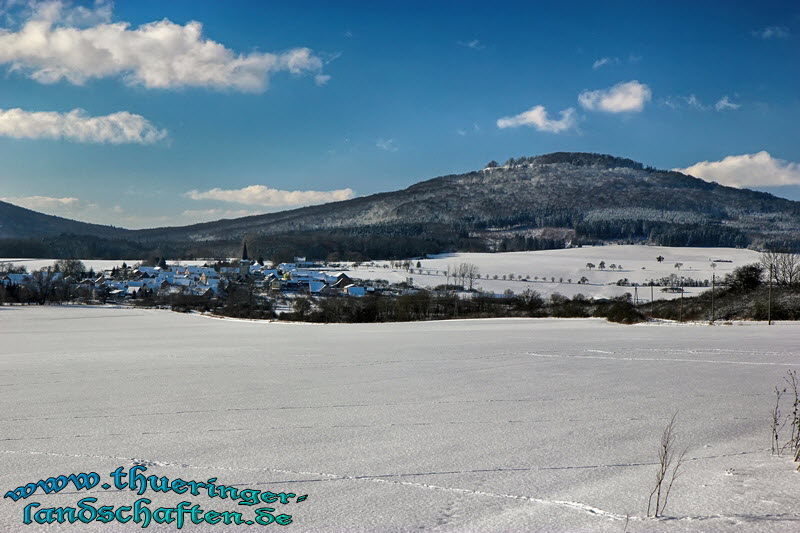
point(133, 114)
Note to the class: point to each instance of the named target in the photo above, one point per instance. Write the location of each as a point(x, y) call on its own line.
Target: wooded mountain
point(527, 203)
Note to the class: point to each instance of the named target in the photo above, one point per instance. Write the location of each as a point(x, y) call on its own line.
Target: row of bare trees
point(784, 268)
point(465, 273)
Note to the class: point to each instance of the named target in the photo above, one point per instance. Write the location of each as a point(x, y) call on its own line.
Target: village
point(210, 281)
point(564, 283)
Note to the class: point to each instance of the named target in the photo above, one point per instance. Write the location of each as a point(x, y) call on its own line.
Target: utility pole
point(713, 279)
point(681, 315)
point(769, 298)
point(636, 296)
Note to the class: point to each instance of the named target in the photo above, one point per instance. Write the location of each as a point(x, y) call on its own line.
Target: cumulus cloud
point(622, 97)
point(724, 103)
point(537, 118)
point(264, 196)
point(58, 42)
point(76, 125)
point(747, 170)
point(772, 32)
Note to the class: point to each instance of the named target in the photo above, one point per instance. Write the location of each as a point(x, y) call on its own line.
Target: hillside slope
point(588, 196)
point(598, 196)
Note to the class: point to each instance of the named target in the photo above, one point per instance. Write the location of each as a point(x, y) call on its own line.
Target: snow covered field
point(638, 263)
point(96, 264)
point(474, 425)
point(569, 264)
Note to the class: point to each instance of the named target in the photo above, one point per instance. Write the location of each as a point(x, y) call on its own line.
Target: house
point(316, 287)
point(15, 279)
point(355, 290)
point(342, 281)
point(148, 270)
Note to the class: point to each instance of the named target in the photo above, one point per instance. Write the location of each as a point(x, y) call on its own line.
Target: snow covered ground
point(96, 264)
point(473, 425)
point(638, 263)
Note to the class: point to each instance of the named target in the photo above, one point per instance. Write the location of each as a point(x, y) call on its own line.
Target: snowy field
point(638, 263)
point(474, 425)
point(96, 264)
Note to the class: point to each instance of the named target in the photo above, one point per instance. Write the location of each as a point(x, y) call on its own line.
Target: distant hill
point(18, 222)
point(526, 203)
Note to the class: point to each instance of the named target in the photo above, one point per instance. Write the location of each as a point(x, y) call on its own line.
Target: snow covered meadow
point(638, 264)
point(473, 425)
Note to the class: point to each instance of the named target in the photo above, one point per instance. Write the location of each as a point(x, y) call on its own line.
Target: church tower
point(244, 262)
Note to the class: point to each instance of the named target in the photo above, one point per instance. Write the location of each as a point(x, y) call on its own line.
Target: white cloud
point(678, 102)
point(50, 204)
point(756, 170)
point(772, 32)
point(622, 97)
point(52, 45)
point(724, 103)
point(76, 125)
point(603, 61)
point(693, 101)
point(537, 117)
point(475, 44)
point(78, 209)
point(386, 144)
point(264, 196)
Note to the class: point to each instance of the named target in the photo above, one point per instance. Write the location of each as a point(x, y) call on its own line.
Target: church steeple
point(244, 264)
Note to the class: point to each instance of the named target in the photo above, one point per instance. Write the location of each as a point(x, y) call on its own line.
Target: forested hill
point(524, 203)
point(18, 221)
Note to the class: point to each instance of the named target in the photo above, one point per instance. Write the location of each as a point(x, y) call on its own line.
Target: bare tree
point(72, 267)
point(42, 285)
point(11, 268)
point(775, 414)
point(793, 387)
point(470, 273)
point(785, 267)
point(670, 461)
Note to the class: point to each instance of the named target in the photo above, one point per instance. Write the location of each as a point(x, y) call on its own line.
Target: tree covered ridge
point(534, 202)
